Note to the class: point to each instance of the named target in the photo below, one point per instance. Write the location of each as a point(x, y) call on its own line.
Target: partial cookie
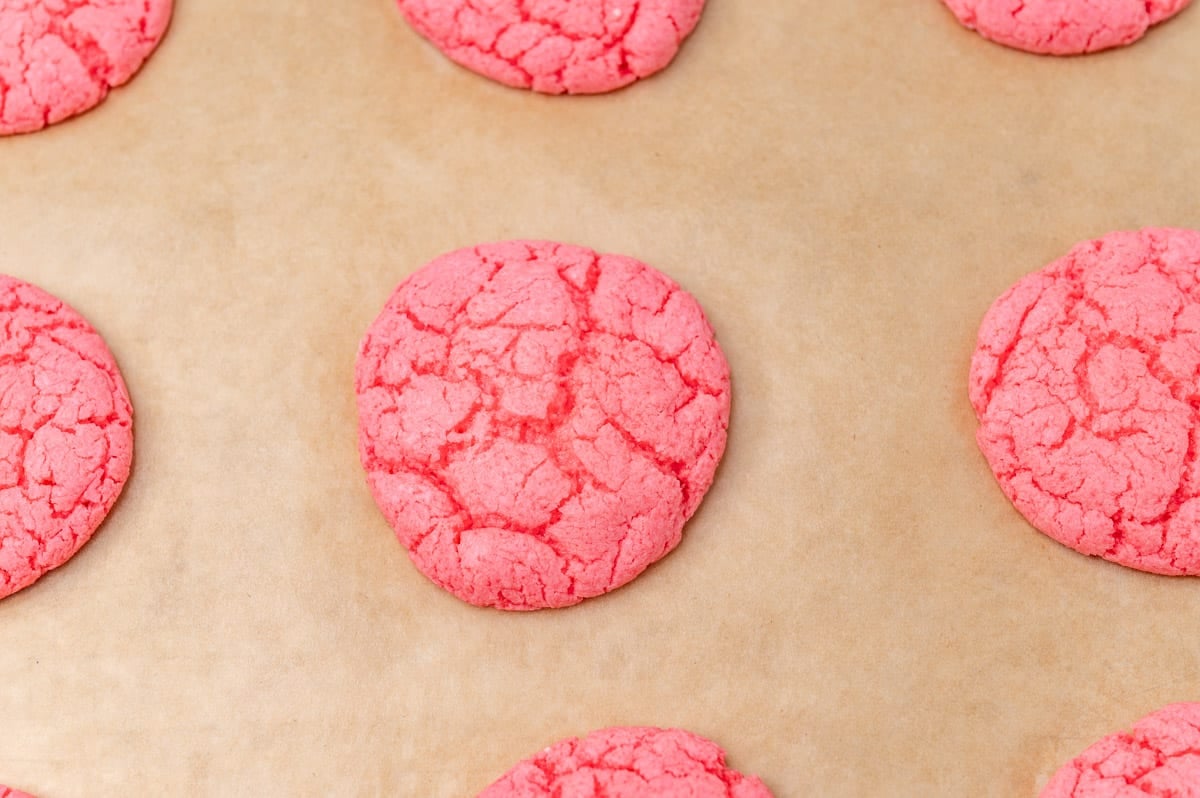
point(58, 58)
point(1158, 758)
point(628, 763)
point(1086, 382)
point(66, 433)
point(538, 421)
point(1064, 27)
point(552, 46)
point(6, 792)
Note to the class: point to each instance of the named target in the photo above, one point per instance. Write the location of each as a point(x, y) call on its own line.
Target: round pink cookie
point(6, 792)
point(58, 58)
point(1064, 27)
point(538, 421)
point(628, 763)
point(1158, 758)
point(66, 437)
point(1086, 382)
point(557, 46)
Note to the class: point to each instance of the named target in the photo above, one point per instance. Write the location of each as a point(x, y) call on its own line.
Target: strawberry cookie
point(537, 421)
point(58, 58)
point(628, 763)
point(1158, 758)
point(1064, 27)
point(66, 436)
point(1086, 383)
point(557, 46)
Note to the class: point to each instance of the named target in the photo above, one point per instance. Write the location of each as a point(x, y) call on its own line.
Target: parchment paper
point(855, 611)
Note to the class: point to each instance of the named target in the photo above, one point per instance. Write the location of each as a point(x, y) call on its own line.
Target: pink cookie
point(628, 763)
point(1085, 381)
point(538, 421)
point(66, 437)
point(1064, 27)
point(7, 792)
point(557, 46)
point(1159, 758)
point(58, 58)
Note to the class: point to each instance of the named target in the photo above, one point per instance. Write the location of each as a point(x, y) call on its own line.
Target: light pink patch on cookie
point(628, 763)
point(557, 46)
point(58, 58)
point(1086, 382)
point(1064, 27)
point(538, 421)
point(1158, 758)
point(66, 439)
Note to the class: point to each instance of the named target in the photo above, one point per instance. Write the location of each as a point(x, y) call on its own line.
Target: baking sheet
point(856, 609)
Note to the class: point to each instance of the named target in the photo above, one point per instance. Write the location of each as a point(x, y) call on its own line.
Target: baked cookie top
point(58, 58)
point(1086, 383)
point(628, 763)
point(66, 433)
point(538, 421)
point(556, 47)
point(1158, 758)
point(1064, 27)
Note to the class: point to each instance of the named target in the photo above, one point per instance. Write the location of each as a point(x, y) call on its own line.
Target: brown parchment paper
point(856, 610)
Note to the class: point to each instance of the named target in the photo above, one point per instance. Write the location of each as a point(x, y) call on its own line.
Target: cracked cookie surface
point(1086, 383)
point(1158, 758)
point(59, 58)
point(557, 46)
point(628, 763)
point(538, 421)
point(1064, 27)
point(66, 433)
